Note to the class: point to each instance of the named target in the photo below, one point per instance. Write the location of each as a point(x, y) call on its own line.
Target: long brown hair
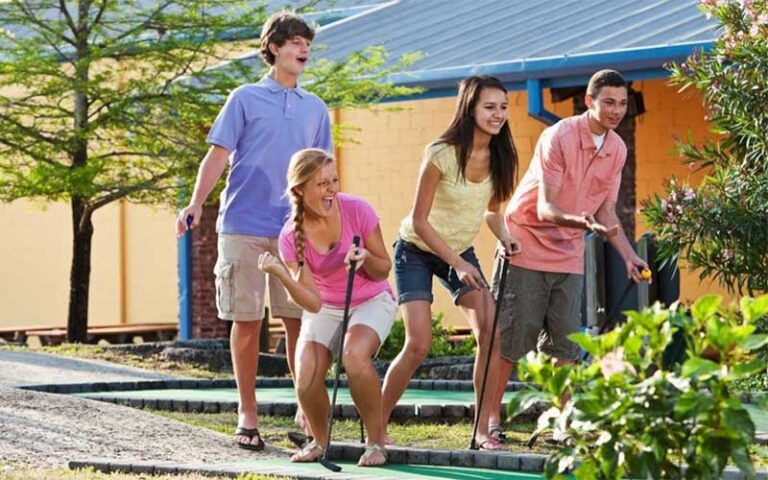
point(304, 164)
point(503, 164)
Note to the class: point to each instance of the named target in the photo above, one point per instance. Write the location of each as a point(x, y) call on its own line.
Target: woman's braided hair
point(304, 164)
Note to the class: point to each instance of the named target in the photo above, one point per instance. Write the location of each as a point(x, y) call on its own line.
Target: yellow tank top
point(458, 207)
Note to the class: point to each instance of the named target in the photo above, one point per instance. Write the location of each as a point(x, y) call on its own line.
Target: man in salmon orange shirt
point(570, 187)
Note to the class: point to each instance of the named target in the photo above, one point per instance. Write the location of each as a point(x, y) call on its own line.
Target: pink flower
point(613, 363)
point(689, 195)
point(727, 254)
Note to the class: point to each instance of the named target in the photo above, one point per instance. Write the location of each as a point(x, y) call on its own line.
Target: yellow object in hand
point(646, 274)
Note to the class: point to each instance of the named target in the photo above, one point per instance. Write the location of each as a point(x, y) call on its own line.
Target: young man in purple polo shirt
point(258, 129)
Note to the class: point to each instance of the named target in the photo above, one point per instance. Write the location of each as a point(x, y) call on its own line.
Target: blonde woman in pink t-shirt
point(316, 245)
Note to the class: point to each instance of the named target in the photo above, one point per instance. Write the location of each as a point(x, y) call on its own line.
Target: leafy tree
point(720, 227)
point(104, 100)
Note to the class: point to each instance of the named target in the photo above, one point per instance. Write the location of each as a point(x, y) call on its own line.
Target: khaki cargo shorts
point(538, 312)
point(240, 286)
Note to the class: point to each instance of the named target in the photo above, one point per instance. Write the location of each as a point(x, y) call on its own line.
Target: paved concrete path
point(32, 368)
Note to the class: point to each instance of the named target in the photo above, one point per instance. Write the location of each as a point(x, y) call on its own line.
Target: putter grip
point(356, 243)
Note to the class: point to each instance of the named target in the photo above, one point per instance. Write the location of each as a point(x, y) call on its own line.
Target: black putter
point(504, 265)
point(612, 319)
point(345, 320)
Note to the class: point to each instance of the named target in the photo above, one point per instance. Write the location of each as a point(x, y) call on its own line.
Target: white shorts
point(324, 327)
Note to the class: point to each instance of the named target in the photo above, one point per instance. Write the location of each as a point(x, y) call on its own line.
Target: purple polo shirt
point(262, 125)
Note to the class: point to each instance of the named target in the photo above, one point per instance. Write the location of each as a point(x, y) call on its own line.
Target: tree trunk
point(80, 273)
point(82, 226)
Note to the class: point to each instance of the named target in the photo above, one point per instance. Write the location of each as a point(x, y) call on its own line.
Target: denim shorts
point(414, 269)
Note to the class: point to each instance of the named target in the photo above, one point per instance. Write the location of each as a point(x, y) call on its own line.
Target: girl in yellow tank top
point(466, 174)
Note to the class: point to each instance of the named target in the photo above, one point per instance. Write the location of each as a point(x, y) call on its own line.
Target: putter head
point(329, 464)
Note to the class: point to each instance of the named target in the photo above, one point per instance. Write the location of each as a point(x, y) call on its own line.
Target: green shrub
point(629, 417)
point(719, 226)
point(441, 343)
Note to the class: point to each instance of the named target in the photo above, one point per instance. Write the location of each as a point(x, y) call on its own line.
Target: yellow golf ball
point(646, 274)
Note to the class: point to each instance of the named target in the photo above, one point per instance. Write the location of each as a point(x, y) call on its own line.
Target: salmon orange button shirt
point(565, 157)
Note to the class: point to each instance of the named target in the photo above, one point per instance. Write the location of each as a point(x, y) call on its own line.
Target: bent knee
point(355, 359)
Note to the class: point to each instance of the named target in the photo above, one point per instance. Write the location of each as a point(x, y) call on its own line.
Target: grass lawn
point(414, 433)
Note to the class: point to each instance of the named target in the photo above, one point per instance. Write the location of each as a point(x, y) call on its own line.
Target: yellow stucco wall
point(384, 165)
point(35, 252)
point(36, 246)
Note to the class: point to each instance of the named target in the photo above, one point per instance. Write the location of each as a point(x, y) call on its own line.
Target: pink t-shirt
point(565, 157)
point(328, 269)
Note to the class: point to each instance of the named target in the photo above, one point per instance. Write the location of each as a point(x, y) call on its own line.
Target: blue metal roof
point(560, 42)
point(130, 13)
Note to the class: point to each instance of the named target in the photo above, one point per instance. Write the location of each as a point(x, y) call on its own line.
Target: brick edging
point(263, 382)
point(506, 461)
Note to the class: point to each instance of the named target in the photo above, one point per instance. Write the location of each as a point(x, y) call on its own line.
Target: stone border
point(285, 409)
point(507, 461)
point(263, 382)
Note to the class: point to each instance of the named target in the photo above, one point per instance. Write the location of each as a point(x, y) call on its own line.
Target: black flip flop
point(299, 439)
point(250, 433)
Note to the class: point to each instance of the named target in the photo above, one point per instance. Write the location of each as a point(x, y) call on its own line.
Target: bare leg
point(313, 362)
point(244, 345)
point(359, 348)
point(418, 338)
point(506, 368)
point(292, 328)
point(478, 307)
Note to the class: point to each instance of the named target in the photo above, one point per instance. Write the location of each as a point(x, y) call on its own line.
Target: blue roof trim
point(645, 62)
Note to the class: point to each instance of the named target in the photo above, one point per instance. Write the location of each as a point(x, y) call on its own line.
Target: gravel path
point(47, 430)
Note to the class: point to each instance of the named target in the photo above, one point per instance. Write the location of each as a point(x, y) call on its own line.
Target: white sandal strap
point(372, 448)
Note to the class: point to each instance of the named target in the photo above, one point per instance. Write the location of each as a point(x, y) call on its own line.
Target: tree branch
point(125, 191)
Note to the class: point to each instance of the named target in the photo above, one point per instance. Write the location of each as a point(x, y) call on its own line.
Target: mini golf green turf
point(403, 471)
point(286, 395)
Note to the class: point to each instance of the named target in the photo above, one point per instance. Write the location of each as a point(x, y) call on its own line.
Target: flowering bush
point(721, 226)
point(628, 416)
